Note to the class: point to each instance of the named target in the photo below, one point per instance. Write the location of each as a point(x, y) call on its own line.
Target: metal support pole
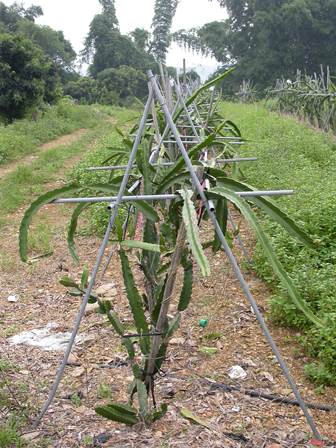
point(123, 167)
point(98, 260)
point(213, 93)
point(233, 260)
point(181, 100)
point(162, 197)
point(240, 241)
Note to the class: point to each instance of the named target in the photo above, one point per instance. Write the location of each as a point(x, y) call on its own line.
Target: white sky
point(74, 16)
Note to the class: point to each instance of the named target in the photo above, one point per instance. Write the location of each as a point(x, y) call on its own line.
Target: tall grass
point(24, 136)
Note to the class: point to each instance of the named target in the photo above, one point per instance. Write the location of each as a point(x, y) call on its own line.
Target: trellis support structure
point(232, 258)
point(99, 258)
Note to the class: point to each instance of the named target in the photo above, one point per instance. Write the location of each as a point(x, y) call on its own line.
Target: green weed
point(76, 400)
point(8, 331)
point(87, 441)
point(104, 391)
point(40, 239)
point(214, 336)
point(9, 436)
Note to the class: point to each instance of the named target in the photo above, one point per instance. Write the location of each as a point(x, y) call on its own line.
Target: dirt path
point(64, 140)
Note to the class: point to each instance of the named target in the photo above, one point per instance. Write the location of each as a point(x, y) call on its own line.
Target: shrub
point(27, 76)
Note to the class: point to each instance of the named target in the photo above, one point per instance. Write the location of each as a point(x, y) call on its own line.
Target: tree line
point(265, 40)
point(38, 65)
point(268, 40)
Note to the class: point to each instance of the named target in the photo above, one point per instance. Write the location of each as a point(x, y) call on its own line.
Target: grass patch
point(24, 136)
point(9, 436)
point(27, 181)
point(98, 214)
point(7, 262)
point(292, 155)
point(41, 238)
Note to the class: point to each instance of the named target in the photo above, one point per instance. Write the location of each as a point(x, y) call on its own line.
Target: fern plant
point(170, 243)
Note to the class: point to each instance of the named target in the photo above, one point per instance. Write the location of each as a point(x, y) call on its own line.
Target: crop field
point(169, 351)
point(168, 224)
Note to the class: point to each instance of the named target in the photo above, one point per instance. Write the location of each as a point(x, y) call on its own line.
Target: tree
point(141, 38)
point(191, 75)
point(84, 90)
point(101, 27)
point(270, 39)
point(120, 84)
point(109, 11)
point(164, 13)
point(27, 76)
point(11, 15)
point(16, 19)
point(52, 42)
point(105, 47)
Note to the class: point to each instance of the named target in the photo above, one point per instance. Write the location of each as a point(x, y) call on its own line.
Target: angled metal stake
point(233, 260)
point(99, 259)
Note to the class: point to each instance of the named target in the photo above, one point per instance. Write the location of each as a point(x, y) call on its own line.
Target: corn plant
point(171, 245)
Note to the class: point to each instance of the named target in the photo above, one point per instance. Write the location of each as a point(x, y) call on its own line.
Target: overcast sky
point(74, 16)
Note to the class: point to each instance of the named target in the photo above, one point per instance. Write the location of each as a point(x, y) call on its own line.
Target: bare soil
point(233, 419)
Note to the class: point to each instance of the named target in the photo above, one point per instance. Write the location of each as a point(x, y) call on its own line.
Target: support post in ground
point(232, 259)
point(99, 259)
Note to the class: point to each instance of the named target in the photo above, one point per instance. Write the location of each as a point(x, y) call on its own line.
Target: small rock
point(168, 393)
point(91, 308)
point(73, 361)
point(30, 436)
point(177, 341)
point(78, 372)
point(102, 438)
point(248, 362)
point(193, 359)
point(237, 373)
point(107, 289)
point(13, 299)
point(267, 376)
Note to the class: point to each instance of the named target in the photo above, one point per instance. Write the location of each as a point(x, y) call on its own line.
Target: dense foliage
point(269, 40)
point(28, 77)
point(117, 62)
point(33, 61)
point(164, 12)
